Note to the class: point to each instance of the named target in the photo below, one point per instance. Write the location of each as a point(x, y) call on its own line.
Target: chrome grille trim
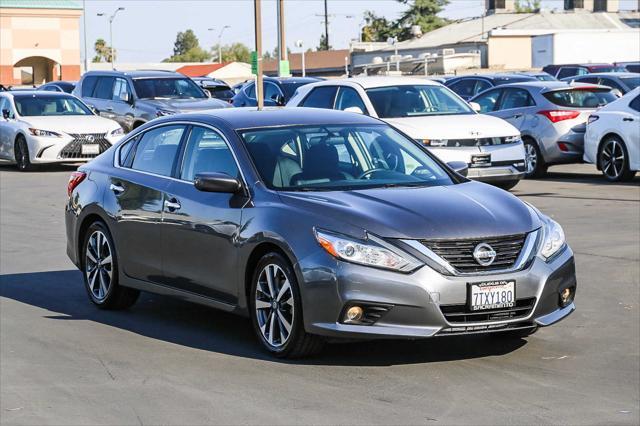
point(73, 150)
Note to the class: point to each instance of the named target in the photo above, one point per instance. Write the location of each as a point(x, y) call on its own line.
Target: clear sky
point(146, 29)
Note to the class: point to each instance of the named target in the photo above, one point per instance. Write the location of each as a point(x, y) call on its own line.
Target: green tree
point(235, 52)
point(378, 28)
point(187, 49)
point(527, 6)
point(423, 13)
point(323, 43)
point(103, 52)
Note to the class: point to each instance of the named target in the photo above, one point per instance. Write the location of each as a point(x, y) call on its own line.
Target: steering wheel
point(371, 171)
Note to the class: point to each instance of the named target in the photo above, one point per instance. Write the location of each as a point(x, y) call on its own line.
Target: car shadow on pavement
point(62, 294)
point(41, 168)
point(588, 178)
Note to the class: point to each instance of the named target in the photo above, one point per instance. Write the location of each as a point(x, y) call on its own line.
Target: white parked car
point(612, 141)
point(432, 114)
point(51, 127)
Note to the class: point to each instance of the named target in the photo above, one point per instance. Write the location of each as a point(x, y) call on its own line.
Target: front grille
point(459, 253)
point(73, 150)
point(461, 314)
point(454, 143)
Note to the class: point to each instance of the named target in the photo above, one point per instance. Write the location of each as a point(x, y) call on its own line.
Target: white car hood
point(72, 123)
point(459, 126)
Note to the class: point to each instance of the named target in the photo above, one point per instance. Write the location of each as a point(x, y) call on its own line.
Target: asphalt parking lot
point(168, 362)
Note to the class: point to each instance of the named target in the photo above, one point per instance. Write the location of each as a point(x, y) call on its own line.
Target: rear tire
point(276, 310)
point(100, 271)
point(613, 160)
point(534, 164)
point(507, 185)
point(21, 154)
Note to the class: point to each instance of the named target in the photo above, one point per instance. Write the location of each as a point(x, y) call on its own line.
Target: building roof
point(200, 70)
point(41, 4)
point(379, 81)
point(471, 30)
point(320, 60)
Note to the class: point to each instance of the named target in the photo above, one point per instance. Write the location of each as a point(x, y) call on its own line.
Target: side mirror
point(617, 93)
point(207, 93)
point(217, 182)
point(6, 114)
point(475, 106)
point(459, 167)
point(354, 109)
point(278, 99)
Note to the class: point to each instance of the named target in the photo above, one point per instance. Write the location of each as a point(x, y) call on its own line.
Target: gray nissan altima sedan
point(315, 224)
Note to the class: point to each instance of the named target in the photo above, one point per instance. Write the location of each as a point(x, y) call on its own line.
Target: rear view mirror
point(355, 109)
point(475, 106)
point(459, 167)
point(217, 182)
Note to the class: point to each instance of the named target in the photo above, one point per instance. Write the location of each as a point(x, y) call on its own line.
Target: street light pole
point(257, 12)
point(300, 44)
point(111, 49)
point(220, 43)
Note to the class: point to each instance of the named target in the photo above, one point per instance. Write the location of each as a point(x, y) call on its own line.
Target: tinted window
point(343, 157)
point(516, 98)
point(46, 105)
point(271, 91)
point(581, 98)
point(488, 101)
point(157, 149)
point(207, 152)
point(592, 80)
point(104, 88)
point(289, 87)
point(250, 90)
point(220, 92)
point(349, 98)
point(567, 72)
point(88, 84)
point(481, 86)
point(416, 100)
point(125, 150)
point(633, 68)
point(121, 90)
point(635, 104)
point(320, 97)
point(464, 88)
point(6, 105)
point(51, 88)
point(149, 88)
point(631, 82)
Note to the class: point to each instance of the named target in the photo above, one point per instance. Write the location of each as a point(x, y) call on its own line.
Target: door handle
point(117, 188)
point(517, 116)
point(172, 204)
point(109, 109)
point(627, 119)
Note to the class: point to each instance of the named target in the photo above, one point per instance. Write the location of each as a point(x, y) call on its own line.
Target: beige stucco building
point(39, 41)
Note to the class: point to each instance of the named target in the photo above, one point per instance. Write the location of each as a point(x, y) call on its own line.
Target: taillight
point(563, 147)
point(74, 180)
point(559, 115)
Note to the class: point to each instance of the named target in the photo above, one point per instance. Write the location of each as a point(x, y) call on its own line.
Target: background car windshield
point(581, 98)
point(631, 82)
point(150, 88)
point(411, 101)
point(32, 106)
point(340, 158)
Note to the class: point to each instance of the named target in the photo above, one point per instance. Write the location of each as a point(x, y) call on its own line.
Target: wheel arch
point(602, 141)
point(85, 223)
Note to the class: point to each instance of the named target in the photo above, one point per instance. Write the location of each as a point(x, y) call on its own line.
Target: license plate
point(91, 149)
point(480, 160)
point(492, 295)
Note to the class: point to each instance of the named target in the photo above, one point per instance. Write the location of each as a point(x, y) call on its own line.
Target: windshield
point(631, 82)
point(412, 101)
point(581, 98)
point(545, 77)
point(340, 157)
point(38, 105)
point(167, 88)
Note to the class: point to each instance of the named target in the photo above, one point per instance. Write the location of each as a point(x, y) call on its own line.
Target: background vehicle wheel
point(21, 154)
point(533, 161)
point(507, 185)
point(515, 334)
point(100, 270)
point(276, 310)
point(613, 160)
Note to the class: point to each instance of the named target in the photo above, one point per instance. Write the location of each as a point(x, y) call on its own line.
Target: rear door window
point(104, 88)
point(320, 97)
point(88, 86)
point(157, 150)
point(516, 98)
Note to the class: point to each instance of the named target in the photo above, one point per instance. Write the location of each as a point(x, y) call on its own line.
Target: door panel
point(120, 104)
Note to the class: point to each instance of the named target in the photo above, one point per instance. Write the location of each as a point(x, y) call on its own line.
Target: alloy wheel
point(530, 158)
point(274, 305)
point(22, 156)
point(98, 265)
point(612, 160)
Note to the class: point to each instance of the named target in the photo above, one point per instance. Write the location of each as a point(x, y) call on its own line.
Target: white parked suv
point(612, 140)
point(51, 127)
point(432, 114)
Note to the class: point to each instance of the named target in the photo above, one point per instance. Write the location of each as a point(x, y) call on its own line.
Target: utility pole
point(111, 49)
point(282, 45)
point(326, 25)
point(84, 28)
point(257, 12)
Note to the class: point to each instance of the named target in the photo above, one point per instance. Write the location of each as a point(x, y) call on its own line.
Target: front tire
point(613, 160)
point(21, 154)
point(100, 271)
point(534, 164)
point(276, 310)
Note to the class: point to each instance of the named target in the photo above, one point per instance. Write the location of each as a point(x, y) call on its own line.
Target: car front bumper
point(415, 300)
point(64, 149)
point(498, 173)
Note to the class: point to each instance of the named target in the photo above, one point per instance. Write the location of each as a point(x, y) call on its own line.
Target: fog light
point(354, 313)
point(565, 296)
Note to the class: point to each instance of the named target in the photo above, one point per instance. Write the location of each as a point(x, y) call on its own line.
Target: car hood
point(72, 123)
point(465, 210)
point(186, 105)
point(458, 126)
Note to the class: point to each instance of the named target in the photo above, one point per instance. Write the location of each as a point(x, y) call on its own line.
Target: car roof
point(39, 93)
point(551, 85)
point(605, 74)
point(498, 76)
point(245, 118)
point(139, 73)
point(382, 81)
point(296, 80)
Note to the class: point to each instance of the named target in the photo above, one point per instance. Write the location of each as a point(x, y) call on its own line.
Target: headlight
point(117, 132)
point(370, 252)
point(45, 133)
point(553, 238)
point(165, 112)
point(435, 142)
point(512, 139)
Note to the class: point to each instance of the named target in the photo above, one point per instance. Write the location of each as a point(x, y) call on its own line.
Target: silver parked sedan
point(551, 117)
